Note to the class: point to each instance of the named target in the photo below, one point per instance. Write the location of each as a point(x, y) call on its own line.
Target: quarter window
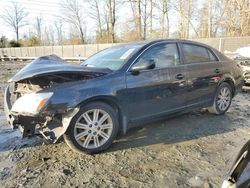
point(197, 54)
point(164, 55)
point(212, 56)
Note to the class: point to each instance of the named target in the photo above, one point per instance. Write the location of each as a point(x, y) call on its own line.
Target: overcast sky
point(50, 10)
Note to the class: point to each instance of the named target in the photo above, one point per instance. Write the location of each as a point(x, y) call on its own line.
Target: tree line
point(143, 19)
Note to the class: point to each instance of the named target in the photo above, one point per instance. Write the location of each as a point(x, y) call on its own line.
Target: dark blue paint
point(147, 95)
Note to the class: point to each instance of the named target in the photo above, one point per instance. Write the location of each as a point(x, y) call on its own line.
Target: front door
point(160, 90)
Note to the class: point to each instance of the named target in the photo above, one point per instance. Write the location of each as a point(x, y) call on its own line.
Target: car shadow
point(190, 126)
point(11, 140)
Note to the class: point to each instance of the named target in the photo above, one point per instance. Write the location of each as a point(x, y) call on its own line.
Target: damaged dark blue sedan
point(117, 88)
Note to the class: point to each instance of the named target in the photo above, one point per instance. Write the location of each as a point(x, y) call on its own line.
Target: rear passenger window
point(196, 54)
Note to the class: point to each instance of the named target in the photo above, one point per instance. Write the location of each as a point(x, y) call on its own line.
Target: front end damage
point(27, 100)
point(51, 125)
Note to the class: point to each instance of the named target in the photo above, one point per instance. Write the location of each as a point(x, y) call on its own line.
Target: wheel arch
point(230, 80)
point(113, 102)
point(214, 107)
point(231, 83)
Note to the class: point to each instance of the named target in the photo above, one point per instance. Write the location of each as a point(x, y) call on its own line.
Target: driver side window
point(164, 55)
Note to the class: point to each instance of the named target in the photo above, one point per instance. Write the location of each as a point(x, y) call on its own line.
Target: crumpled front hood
point(48, 65)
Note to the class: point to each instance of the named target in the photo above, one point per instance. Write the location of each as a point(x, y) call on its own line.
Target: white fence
point(84, 51)
point(66, 51)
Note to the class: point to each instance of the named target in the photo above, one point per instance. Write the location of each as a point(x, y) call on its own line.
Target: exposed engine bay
point(33, 86)
point(48, 81)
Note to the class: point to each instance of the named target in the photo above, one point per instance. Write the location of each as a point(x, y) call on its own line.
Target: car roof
point(149, 42)
point(146, 43)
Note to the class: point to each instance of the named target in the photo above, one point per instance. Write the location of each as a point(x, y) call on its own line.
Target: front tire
point(92, 129)
point(222, 100)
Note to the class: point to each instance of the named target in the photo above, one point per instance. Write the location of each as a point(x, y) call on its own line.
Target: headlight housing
point(31, 103)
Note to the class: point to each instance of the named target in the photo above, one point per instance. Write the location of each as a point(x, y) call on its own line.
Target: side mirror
point(150, 64)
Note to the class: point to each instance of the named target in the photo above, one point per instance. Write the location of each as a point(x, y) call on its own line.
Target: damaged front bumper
point(51, 125)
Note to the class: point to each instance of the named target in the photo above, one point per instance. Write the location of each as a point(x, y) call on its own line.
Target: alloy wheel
point(223, 99)
point(93, 128)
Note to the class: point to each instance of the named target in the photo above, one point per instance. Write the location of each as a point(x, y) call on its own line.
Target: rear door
point(158, 91)
point(204, 72)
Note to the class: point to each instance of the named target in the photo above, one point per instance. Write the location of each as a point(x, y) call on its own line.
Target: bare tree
point(38, 27)
point(188, 18)
point(145, 17)
point(106, 21)
point(163, 6)
point(151, 16)
point(205, 20)
point(185, 12)
point(136, 8)
point(181, 19)
point(14, 17)
point(218, 18)
point(58, 26)
point(111, 4)
point(210, 3)
point(72, 11)
point(141, 13)
point(49, 35)
point(138, 18)
point(95, 13)
point(239, 22)
point(103, 13)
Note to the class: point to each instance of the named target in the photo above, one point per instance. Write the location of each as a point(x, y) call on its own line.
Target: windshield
point(112, 58)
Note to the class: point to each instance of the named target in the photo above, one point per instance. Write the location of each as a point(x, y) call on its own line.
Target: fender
point(230, 79)
point(114, 102)
point(227, 77)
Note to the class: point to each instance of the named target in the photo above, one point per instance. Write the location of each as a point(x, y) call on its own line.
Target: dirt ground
point(192, 150)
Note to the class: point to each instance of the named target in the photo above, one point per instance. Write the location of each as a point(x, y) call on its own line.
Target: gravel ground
point(193, 150)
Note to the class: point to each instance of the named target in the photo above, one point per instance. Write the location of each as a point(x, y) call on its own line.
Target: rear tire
point(222, 100)
point(92, 129)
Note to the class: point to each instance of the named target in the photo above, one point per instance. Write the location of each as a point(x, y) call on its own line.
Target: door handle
point(217, 71)
point(179, 76)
